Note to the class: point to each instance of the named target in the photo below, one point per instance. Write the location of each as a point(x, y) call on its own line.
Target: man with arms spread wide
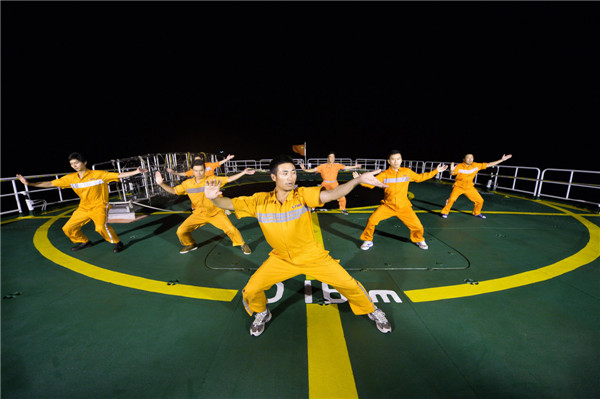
point(465, 173)
point(92, 187)
point(329, 172)
point(203, 209)
point(285, 219)
point(395, 201)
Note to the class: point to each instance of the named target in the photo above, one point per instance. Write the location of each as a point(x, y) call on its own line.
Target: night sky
point(434, 80)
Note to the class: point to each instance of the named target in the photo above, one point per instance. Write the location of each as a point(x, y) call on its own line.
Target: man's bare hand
point(442, 167)
point(212, 189)
point(158, 177)
point(369, 178)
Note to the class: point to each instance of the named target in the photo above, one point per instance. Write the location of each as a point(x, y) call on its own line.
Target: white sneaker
point(422, 245)
point(366, 245)
point(258, 325)
point(480, 216)
point(380, 320)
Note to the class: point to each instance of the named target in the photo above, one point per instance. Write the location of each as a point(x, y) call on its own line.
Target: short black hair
point(77, 156)
point(393, 152)
point(198, 162)
point(278, 160)
point(331, 152)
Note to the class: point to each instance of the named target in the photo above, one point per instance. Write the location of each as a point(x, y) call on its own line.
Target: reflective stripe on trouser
point(327, 270)
point(80, 217)
point(406, 215)
point(220, 221)
point(470, 193)
point(330, 186)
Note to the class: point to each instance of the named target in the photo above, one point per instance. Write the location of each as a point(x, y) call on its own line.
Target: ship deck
point(506, 307)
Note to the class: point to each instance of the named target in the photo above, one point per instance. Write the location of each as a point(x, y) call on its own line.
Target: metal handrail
point(528, 180)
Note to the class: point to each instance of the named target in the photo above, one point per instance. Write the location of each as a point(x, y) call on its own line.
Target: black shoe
point(118, 247)
point(81, 245)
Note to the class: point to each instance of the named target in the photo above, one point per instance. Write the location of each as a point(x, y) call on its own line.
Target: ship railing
point(579, 186)
point(571, 185)
point(16, 197)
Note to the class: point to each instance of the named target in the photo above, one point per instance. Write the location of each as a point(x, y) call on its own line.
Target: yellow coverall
point(204, 211)
point(288, 230)
point(395, 202)
point(92, 188)
point(465, 175)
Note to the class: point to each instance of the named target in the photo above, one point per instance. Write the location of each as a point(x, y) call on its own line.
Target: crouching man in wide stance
point(285, 219)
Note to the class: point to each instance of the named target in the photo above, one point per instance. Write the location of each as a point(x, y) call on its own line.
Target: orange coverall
point(204, 211)
point(329, 174)
point(92, 188)
point(289, 231)
point(465, 174)
point(395, 202)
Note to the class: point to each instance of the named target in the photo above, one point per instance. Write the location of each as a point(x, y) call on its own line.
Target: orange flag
point(300, 149)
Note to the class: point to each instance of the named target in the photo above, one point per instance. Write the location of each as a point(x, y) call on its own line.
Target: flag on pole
point(300, 149)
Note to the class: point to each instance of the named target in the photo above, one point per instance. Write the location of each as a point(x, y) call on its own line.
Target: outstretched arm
point(159, 180)
point(44, 184)
point(353, 167)
point(313, 170)
point(171, 171)
point(504, 158)
point(344, 189)
point(132, 173)
point(229, 156)
point(246, 171)
point(212, 191)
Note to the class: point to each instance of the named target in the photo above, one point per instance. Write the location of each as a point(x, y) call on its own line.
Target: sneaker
point(118, 247)
point(444, 216)
point(345, 212)
point(188, 248)
point(258, 325)
point(81, 245)
point(366, 245)
point(380, 320)
point(246, 249)
point(480, 216)
point(422, 245)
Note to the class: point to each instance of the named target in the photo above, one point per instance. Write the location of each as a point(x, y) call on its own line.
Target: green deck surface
point(67, 335)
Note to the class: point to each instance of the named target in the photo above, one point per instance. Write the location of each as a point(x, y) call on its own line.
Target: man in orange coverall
point(209, 167)
point(92, 187)
point(285, 219)
point(465, 173)
point(329, 172)
point(395, 201)
point(203, 209)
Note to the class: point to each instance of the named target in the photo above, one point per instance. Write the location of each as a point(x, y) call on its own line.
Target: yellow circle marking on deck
point(586, 255)
point(43, 244)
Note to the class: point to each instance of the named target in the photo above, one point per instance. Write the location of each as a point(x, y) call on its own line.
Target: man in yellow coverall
point(465, 173)
point(209, 167)
point(329, 172)
point(203, 209)
point(92, 187)
point(285, 219)
point(395, 201)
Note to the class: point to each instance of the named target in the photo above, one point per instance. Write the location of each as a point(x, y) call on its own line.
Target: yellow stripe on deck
point(329, 369)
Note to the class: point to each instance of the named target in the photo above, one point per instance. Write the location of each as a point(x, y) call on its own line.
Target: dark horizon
point(434, 80)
